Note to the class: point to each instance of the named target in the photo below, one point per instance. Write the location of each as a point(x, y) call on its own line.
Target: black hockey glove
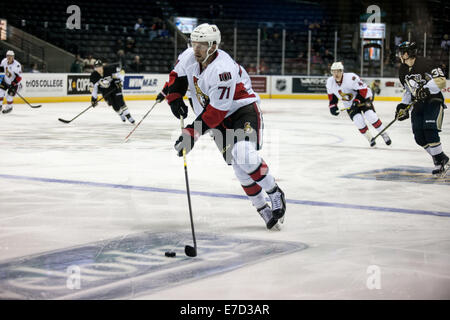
point(12, 89)
point(422, 93)
point(118, 84)
point(401, 113)
point(179, 108)
point(334, 110)
point(160, 97)
point(4, 85)
point(94, 102)
point(186, 140)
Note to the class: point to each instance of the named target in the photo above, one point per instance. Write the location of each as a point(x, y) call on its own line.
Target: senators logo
point(248, 128)
point(345, 96)
point(201, 97)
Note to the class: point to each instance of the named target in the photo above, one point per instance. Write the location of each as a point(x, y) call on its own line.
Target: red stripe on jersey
point(17, 80)
point(241, 92)
point(252, 190)
point(260, 173)
point(330, 97)
point(213, 117)
point(172, 77)
point(363, 92)
point(377, 124)
point(173, 96)
point(363, 130)
point(192, 132)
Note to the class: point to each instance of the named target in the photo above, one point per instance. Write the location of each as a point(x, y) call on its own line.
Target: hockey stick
point(37, 106)
point(137, 125)
point(69, 121)
point(398, 115)
point(392, 122)
point(91, 106)
point(188, 250)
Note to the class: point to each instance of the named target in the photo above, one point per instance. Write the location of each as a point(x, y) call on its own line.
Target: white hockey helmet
point(206, 33)
point(337, 66)
point(10, 53)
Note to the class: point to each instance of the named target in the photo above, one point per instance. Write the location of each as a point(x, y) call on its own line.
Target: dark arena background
point(96, 208)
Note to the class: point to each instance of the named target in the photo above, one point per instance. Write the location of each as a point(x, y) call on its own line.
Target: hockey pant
point(356, 115)
point(426, 122)
point(239, 138)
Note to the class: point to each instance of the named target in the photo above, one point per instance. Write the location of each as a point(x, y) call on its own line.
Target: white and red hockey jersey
point(13, 71)
point(217, 91)
point(350, 88)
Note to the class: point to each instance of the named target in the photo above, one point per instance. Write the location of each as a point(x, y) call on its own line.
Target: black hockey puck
point(170, 254)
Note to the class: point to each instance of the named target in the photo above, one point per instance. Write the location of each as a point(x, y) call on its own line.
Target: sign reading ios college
point(43, 84)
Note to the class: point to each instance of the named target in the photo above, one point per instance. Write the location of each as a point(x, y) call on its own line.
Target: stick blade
point(190, 251)
point(63, 121)
point(38, 106)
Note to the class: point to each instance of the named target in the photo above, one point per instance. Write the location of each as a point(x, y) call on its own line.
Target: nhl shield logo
point(281, 84)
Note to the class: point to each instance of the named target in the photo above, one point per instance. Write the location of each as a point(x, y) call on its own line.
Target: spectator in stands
point(445, 48)
point(327, 57)
point(130, 45)
point(153, 32)
point(118, 46)
point(35, 69)
point(121, 58)
point(163, 32)
point(77, 65)
point(89, 64)
point(398, 40)
point(251, 69)
point(139, 27)
point(136, 65)
point(318, 46)
point(263, 67)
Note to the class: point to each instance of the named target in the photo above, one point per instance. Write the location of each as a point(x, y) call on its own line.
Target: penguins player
point(423, 82)
point(107, 80)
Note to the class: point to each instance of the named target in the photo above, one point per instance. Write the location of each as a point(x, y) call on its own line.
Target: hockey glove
point(186, 140)
point(94, 102)
point(334, 110)
point(12, 89)
point(160, 97)
point(422, 93)
point(179, 108)
point(118, 84)
point(402, 113)
point(4, 85)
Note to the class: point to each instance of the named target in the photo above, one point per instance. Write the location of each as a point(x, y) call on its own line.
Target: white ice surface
point(308, 151)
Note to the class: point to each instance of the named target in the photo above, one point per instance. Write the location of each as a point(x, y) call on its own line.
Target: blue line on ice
point(226, 195)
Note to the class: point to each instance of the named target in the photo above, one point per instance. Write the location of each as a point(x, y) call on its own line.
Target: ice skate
point(369, 138)
point(386, 139)
point(7, 109)
point(441, 165)
point(276, 196)
point(130, 118)
point(271, 223)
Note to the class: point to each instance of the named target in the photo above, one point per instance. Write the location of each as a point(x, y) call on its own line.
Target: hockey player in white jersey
point(356, 97)
point(226, 105)
point(11, 81)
